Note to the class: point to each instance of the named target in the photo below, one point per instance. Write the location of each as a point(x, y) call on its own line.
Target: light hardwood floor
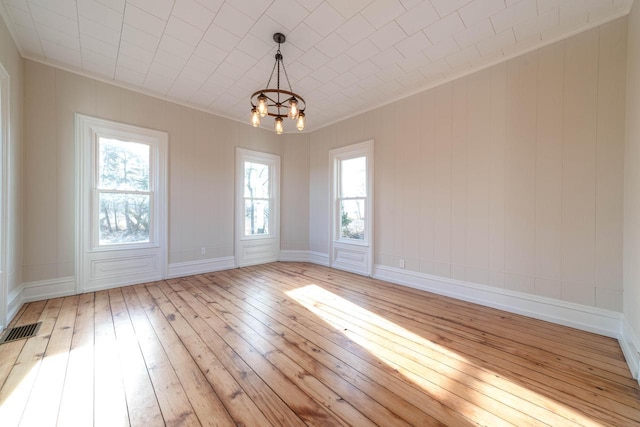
point(290, 344)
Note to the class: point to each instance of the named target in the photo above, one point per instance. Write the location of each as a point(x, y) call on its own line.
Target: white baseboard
point(319, 258)
point(591, 319)
point(630, 344)
point(305, 256)
point(45, 289)
point(294, 256)
point(181, 269)
point(14, 303)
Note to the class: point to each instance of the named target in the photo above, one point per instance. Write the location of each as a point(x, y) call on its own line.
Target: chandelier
point(278, 103)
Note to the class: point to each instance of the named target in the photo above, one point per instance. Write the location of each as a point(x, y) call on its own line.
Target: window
point(121, 203)
point(257, 207)
point(352, 208)
point(257, 198)
point(352, 197)
point(123, 192)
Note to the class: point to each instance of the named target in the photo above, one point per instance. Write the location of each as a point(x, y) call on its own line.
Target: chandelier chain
point(272, 70)
point(286, 75)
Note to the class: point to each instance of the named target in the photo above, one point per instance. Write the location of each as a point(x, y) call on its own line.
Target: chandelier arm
point(267, 91)
point(287, 76)
point(271, 76)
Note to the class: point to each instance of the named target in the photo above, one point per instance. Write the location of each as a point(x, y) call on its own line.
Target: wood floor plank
point(44, 399)
point(76, 405)
point(142, 404)
point(17, 388)
point(206, 404)
point(110, 402)
point(172, 398)
point(292, 344)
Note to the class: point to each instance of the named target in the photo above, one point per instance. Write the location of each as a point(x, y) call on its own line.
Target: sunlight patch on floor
point(439, 371)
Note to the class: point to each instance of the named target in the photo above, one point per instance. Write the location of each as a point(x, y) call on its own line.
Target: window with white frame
point(351, 245)
point(124, 192)
point(257, 198)
point(352, 197)
point(257, 207)
point(121, 203)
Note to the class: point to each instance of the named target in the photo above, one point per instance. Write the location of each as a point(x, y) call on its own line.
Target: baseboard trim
point(630, 344)
point(591, 319)
point(294, 256)
point(182, 269)
point(319, 258)
point(45, 289)
point(15, 301)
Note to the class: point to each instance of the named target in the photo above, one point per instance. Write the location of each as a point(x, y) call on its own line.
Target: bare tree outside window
point(124, 195)
point(353, 193)
point(257, 198)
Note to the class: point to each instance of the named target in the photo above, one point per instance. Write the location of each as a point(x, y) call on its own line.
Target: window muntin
point(123, 191)
point(257, 198)
point(352, 197)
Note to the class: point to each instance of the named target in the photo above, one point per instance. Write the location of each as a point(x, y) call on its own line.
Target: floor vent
point(20, 332)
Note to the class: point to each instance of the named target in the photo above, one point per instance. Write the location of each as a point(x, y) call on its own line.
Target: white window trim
point(5, 133)
point(363, 149)
point(243, 155)
point(146, 139)
point(87, 129)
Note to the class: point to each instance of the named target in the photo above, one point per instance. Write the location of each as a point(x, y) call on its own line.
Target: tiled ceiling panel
point(343, 57)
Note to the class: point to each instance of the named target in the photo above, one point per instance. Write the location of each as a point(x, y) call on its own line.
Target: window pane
point(353, 177)
point(123, 165)
point(352, 219)
point(256, 180)
point(256, 217)
point(124, 218)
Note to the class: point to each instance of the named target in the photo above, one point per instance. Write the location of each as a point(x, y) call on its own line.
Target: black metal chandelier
point(278, 103)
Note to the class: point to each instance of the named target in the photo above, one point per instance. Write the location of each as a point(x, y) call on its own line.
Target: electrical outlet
point(203, 251)
point(401, 263)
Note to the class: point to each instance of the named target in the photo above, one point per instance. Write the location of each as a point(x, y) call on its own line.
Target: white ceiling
point(343, 56)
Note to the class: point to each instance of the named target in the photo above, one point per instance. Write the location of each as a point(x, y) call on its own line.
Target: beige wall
point(510, 177)
point(13, 63)
point(201, 169)
point(294, 217)
point(631, 307)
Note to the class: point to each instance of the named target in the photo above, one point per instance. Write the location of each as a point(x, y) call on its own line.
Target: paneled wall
point(201, 170)
point(13, 64)
point(632, 183)
point(510, 177)
point(294, 212)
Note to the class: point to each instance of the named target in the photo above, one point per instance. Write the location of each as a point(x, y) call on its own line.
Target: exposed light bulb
point(293, 108)
point(301, 121)
point(262, 104)
point(255, 117)
point(278, 125)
